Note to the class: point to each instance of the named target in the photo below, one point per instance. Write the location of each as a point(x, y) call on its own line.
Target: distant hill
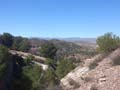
point(87, 42)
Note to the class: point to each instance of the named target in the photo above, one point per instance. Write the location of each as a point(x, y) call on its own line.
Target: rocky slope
point(104, 76)
point(37, 59)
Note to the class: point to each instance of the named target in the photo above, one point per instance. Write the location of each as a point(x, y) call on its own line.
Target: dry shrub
point(93, 87)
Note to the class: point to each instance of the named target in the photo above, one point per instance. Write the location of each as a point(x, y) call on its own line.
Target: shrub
point(93, 87)
point(64, 67)
point(108, 42)
point(93, 65)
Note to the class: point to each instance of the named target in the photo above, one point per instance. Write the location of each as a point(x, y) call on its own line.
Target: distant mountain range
point(74, 39)
point(89, 40)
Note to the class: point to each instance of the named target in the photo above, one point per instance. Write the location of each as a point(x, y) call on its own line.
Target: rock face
point(105, 76)
point(71, 81)
point(38, 60)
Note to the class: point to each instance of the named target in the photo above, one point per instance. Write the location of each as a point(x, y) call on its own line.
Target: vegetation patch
point(64, 67)
point(108, 42)
point(93, 65)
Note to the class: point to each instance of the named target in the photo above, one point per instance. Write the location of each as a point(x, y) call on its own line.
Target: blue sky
point(60, 18)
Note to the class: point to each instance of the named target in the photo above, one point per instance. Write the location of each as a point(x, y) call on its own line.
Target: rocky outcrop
point(71, 81)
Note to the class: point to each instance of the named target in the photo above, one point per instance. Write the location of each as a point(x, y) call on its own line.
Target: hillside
point(64, 48)
point(104, 76)
point(55, 64)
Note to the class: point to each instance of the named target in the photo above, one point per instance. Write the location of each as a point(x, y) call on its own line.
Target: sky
point(60, 18)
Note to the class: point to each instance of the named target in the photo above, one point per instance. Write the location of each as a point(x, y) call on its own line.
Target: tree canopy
point(16, 43)
point(21, 44)
point(6, 39)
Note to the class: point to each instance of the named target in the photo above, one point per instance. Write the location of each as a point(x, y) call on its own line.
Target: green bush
point(64, 67)
point(108, 42)
point(29, 59)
